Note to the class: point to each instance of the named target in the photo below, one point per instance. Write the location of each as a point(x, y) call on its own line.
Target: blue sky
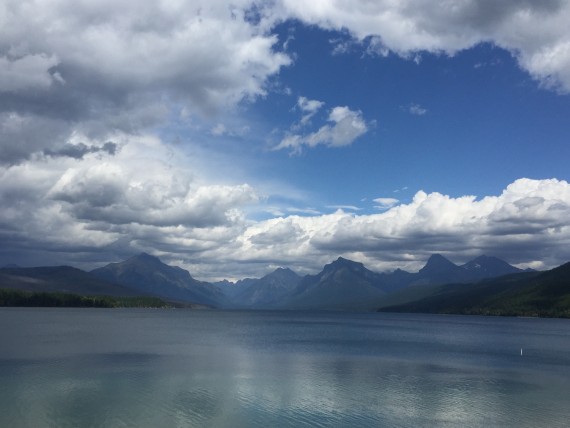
point(230, 142)
point(470, 123)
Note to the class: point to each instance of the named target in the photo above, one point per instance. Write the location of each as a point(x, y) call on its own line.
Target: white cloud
point(346, 126)
point(232, 130)
point(385, 203)
point(100, 67)
point(529, 214)
point(140, 185)
point(219, 129)
point(140, 199)
point(309, 107)
point(536, 33)
point(206, 52)
point(417, 109)
point(344, 207)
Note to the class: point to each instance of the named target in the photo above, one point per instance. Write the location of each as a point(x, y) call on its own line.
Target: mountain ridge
point(147, 274)
point(341, 284)
point(544, 294)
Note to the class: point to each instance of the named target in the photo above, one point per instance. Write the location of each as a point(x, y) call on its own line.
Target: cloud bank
point(101, 206)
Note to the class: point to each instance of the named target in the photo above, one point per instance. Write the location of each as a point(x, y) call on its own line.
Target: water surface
point(183, 368)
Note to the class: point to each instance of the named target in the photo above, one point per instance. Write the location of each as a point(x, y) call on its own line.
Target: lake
point(185, 368)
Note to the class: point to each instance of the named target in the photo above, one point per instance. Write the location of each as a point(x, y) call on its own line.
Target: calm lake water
point(183, 368)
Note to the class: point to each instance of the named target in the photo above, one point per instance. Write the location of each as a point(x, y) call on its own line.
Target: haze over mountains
point(342, 284)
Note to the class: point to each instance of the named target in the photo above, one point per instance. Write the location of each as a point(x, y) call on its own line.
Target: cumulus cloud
point(92, 208)
point(137, 197)
point(145, 191)
point(99, 67)
point(529, 214)
point(536, 33)
point(345, 127)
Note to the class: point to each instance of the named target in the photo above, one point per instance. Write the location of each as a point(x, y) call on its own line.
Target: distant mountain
point(268, 291)
point(231, 289)
point(522, 294)
point(439, 270)
point(488, 267)
point(396, 280)
point(148, 275)
point(64, 279)
point(345, 284)
point(342, 284)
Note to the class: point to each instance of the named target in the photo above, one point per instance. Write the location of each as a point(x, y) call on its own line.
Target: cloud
point(536, 33)
point(100, 207)
point(101, 67)
point(78, 151)
point(136, 197)
point(385, 203)
point(344, 207)
point(86, 88)
point(219, 129)
point(527, 215)
point(28, 72)
point(416, 109)
point(118, 192)
point(309, 107)
point(346, 126)
point(27, 133)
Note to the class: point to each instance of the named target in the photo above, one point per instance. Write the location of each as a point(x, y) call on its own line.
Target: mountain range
point(545, 294)
point(342, 284)
point(147, 275)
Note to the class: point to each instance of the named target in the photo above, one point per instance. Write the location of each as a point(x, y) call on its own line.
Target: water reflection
point(200, 371)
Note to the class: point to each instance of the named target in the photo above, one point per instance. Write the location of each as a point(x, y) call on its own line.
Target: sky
point(232, 138)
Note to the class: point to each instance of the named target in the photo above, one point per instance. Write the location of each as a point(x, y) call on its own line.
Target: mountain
point(439, 270)
point(342, 284)
point(544, 294)
point(488, 267)
point(148, 275)
point(268, 291)
point(231, 289)
point(345, 284)
point(64, 279)
point(396, 280)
